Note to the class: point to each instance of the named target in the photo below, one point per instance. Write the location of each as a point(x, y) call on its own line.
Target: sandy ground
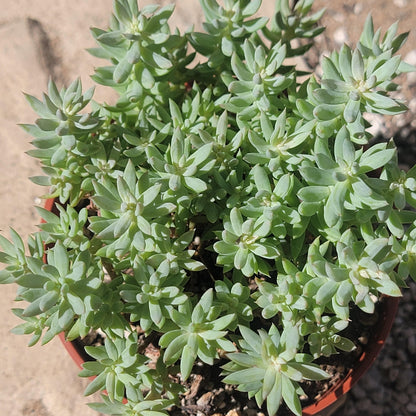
point(44, 38)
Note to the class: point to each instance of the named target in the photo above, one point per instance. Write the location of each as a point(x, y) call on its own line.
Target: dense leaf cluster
point(221, 208)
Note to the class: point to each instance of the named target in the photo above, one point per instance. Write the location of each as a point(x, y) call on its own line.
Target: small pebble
point(376, 410)
point(377, 124)
point(406, 297)
point(400, 3)
point(373, 381)
point(205, 399)
point(411, 344)
point(220, 398)
point(340, 36)
point(412, 108)
point(402, 398)
point(358, 8)
point(411, 391)
point(401, 354)
point(363, 340)
point(393, 374)
point(386, 363)
point(359, 392)
point(410, 58)
point(234, 412)
point(250, 412)
point(378, 396)
point(404, 379)
point(365, 404)
point(352, 412)
point(411, 407)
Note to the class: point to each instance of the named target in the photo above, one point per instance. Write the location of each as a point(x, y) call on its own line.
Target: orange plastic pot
point(329, 400)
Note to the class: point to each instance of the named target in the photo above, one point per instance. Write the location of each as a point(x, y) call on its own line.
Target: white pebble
point(340, 36)
point(400, 3)
point(378, 125)
point(233, 412)
point(358, 8)
point(410, 58)
point(412, 108)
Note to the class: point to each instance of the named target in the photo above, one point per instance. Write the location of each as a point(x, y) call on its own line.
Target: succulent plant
point(227, 205)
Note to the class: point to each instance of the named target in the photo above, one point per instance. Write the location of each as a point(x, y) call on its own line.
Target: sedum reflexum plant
point(228, 208)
